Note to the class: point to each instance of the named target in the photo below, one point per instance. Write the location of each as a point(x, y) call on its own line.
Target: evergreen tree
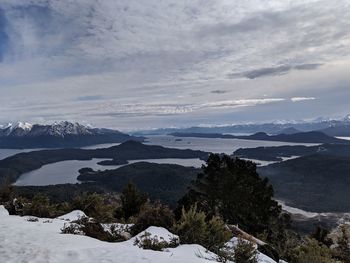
point(132, 200)
point(232, 188)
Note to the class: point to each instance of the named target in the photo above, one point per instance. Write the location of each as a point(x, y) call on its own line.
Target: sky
point(142, 64)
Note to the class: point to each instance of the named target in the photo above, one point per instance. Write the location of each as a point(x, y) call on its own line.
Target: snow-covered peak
point(64, 128)
point(23, 125)
point(346, 118)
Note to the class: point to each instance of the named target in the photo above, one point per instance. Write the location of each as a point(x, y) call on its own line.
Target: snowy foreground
point(41, 241)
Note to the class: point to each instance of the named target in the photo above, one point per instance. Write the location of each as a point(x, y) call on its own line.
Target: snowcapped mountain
point(332, 127)
point(59, 134)
point(60, 129)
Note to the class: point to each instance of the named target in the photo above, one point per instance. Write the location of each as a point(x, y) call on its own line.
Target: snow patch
point(72, 216)
point(42, 241)
point(3, 211)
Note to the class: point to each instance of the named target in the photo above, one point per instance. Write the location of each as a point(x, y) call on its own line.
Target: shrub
point(155, 214)
point(192, 228)
point(245, 252)
point(312, 252)
point(132, 201)
point(146, 241)
point(40, 206)
point(217, 235)
point(6, 190)
point(92, 228)
point(341, 238)
point(94, 205)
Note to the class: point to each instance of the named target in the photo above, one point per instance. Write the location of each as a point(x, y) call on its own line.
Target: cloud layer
point(132, 64)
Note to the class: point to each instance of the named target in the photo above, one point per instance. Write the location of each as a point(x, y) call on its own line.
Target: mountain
point(277, 153)
point(318, 183)
point(289, 130)
point(319, 124)
point(57, 135)
point(166, 182)
point(301, 137)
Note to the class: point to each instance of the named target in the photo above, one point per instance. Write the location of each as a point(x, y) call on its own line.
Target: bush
point(217, 235)
point(6, 190)
point(132, 201)
point(312, 252)
point(341, 238)
point(91, 228)
point(40, 206)
point(146, 241)
point(245, 252)
point(94, 205)
point(192, 228)
point(155, 214)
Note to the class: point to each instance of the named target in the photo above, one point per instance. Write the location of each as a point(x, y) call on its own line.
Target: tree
point(232, 188)
point(132, 200)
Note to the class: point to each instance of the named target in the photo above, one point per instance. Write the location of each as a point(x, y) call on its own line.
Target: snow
point(159, 232)
point(24, 126)
point(42, 241)
point(74, 215)
point(261, 257)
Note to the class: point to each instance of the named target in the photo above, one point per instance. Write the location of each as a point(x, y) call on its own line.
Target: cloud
point(129, 61)
point(298, 99)
point(274, 71)
point(89, 98)
point(218, 91)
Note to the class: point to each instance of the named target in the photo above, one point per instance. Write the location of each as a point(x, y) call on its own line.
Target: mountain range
point(300, 137)
point(57, 135)
point(332, 127)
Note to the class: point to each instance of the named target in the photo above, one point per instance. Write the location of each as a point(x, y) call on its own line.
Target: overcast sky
point(133, 64)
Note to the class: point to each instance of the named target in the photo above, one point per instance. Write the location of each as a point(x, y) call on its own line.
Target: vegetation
point(245, 252)
point(318, 183)
point(166, 182)
point(132, 201)
point(155, 214)
point(312, 252)
point(193, 228)
point(228, 191)
point(96, 206)
point(92, 228)
point(146, 241)
point(232, 189)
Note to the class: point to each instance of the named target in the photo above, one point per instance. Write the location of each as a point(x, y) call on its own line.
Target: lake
point(215, 145)
point(67, 171)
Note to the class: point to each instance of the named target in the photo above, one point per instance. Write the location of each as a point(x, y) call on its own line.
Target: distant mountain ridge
point(58, 135)
point(332, 127)
point(301, 137)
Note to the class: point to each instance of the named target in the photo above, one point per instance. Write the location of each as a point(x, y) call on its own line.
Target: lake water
point(67, 171)
point(215, 145)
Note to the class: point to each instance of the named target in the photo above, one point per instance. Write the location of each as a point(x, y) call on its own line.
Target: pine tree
point(232, 188)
